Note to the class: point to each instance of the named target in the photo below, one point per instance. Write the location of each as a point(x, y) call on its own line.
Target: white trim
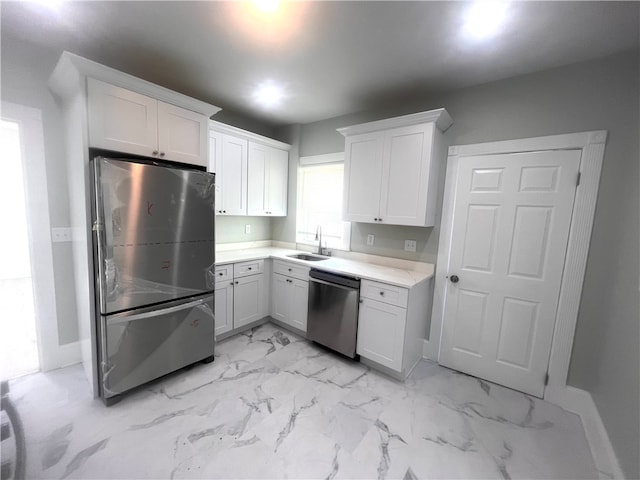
point(440, 116)
point(592, 145)
point(67, 354)
point(71, 68)
point(580, 402)
point(337, 157)
point(40, 247)
point(249, 136)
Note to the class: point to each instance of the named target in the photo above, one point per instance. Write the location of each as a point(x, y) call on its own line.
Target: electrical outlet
point(61, 234)
point(370, 239)
point(247, 229)
point(410, 245)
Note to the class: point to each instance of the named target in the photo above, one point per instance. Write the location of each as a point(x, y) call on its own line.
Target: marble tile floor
point(274, 405)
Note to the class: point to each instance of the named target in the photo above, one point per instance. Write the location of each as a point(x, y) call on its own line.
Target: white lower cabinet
point(290, 300)
point(381, 333)
point(240, 295)
point(224, 307)
point(248, 300)
point(290, 294)
point(392, 324)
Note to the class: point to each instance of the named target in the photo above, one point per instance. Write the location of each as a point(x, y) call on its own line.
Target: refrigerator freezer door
point(155, 231)
point(139, 346)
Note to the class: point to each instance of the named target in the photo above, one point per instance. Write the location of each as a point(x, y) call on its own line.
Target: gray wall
point(231, 229)
point(597, 95)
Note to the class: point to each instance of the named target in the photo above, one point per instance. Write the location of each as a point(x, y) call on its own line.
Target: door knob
point(454, 278)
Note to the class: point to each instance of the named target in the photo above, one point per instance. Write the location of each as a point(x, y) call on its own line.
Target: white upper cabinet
point(231, 175)
point(267, 182)
point(363, 177)
point(122, 120)
point(251, 172)
point(392, 168)
point(182, 134)
point(129, 122)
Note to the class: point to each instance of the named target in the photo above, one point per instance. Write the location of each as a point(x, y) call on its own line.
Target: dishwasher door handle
point(331, 284)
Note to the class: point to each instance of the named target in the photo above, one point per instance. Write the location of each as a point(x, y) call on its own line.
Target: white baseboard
point(430, 351)
point(580, 402)
point(65, 355)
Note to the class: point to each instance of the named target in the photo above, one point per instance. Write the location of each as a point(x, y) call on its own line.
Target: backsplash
point(389, 241)
point(232, 229)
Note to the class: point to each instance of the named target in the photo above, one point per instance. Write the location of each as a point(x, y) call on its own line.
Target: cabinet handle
point(375, 219)
point(289, 269)
point(155, 152)
point(231, 284)
point(382, 294)
point(224, 211)
point(162, 154)
point(249, 268)
point(221, 273)
point(236, 282)
point(360, 300)
point(379, 219)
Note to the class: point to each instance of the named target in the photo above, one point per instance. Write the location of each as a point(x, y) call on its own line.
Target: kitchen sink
point(308, 257)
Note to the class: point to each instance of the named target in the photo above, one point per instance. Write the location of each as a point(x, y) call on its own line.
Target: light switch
point(247, 229)
point(410, 245)
point(370, 239)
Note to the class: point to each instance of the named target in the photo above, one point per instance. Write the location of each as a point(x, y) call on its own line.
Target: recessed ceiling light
point(269, 94)
point(266, 6)
point(484, 18)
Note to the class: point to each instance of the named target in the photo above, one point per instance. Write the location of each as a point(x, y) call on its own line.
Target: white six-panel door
point(511, 223)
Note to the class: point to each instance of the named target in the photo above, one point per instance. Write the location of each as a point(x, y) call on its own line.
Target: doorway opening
point(18, 342)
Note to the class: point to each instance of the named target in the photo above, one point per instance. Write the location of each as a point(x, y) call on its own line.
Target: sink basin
point(308, 257)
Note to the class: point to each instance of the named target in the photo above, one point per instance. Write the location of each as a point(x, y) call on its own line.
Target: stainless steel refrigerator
point(154, 258)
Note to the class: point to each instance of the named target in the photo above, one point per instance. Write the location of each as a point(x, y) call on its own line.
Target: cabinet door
point(224, 307)
point(280, 305)
point(276, 182)
point(406, 165)
point(122, 120)
point(248, 300)
point(215, 157)
point(299, 301)
point(182, 135)
point(363, 177)
point(257, 180)
point(381, 333)
point(231, 175)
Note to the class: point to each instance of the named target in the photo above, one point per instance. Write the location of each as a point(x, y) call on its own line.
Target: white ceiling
point(333, 57)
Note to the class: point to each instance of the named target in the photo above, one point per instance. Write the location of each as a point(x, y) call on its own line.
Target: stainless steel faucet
point(319, 238)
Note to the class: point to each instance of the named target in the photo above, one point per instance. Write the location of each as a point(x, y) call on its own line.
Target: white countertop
point(398, 272)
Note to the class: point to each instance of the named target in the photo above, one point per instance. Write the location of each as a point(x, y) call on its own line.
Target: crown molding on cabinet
point(69, 74)
point(440, 116)
point(250, 136)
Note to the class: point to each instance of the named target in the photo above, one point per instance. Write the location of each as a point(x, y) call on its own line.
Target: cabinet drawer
point(291, 270)
point(384, 293)
point(224, 273)
point(248, 268)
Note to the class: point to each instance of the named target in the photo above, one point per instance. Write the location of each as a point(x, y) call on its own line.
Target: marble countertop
point(398, 272)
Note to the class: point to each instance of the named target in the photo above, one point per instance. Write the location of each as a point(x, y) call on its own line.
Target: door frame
point(39, 232)
point(592, 145)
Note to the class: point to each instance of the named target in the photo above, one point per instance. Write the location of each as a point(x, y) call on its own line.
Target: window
point(320, 203)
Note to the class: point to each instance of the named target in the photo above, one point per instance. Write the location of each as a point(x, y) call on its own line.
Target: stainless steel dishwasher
point(333, 311)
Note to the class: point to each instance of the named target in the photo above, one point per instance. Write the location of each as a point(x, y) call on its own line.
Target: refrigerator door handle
point(154, 313)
